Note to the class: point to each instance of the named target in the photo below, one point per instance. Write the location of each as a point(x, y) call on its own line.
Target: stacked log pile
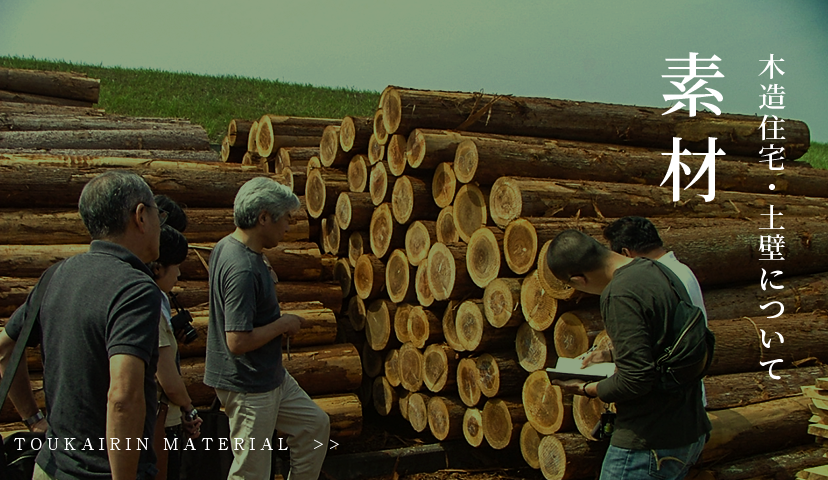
point(442, 262)
point(41, 226)
point(48, 88)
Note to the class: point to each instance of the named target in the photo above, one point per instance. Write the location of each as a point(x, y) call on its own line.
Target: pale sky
point(602, 51)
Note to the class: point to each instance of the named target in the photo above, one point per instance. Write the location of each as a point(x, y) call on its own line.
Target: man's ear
point(138, 217)
point(578, 282)
point(262, 219)
point(627, 252)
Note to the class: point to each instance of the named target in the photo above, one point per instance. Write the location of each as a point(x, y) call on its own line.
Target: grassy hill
point(214, 101)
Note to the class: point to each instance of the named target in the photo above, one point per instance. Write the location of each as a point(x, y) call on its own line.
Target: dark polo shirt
point(98, 304)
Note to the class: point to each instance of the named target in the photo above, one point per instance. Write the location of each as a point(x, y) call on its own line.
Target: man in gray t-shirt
point(244, 353)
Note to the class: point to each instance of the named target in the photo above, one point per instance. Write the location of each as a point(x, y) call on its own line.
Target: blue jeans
point(663, 464)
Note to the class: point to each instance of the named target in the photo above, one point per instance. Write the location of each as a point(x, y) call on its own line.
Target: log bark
point(190, 138)
point(805, 293)
point(396, 155)
point(405, 109)
point(276, 132)
point(535, 350)
point(576, 330)
point(372, 361)
point(529, 443)
point(330, 152)
point(740, 389)
point(356, 313)
point(385, 397)
point(759, 428)
point(54, 84)
point(401, 322)
point(354, 133)
point(777, 465)
point(253, 138)
point(32, 181)
point(344, 412)
point(344, 276)
point(358, 174)
point(470, 210)
point(540, 308)
point(484, 160)
point(418, 240)
point(380, 186)
point(443, 185)
point(547, 408)
point(502, 420)
point(412, 200)
point(424, 327)
point(484, 256)
point(446, 231)
point(379, 325)
point(569, 455)
point(468, 385)
point(500, 374)
point(369, 274)
point(445, 417)
point(35, 122)
point(376, 150)
point(439, 367)
point(418, 411)
point(294, 157)
point(231, 154)
point(475, 333)
point(449, 321)
point(44, 109)
point(385, 234)
point(86, 154)
point(391, 367)
point(354, 210)
point(193, 293)
point(7, 96)
point(322, 190)
point(501, 303)
point(448, 277)
point(586, 413)
point(238, 132)
point(380, 133)
point(399, 278)
point(429, 148)
point(357, 245)
point(411, 368)
point(513, 197)
point(473, 426)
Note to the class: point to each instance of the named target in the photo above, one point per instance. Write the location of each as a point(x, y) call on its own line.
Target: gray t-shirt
point(242, 297)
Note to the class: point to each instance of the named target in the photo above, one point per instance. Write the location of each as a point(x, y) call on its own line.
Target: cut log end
point(358, 173)
point(402, 200)
point(533, 351)
point(396, 153)
point(368, 276)
point(500, 422)
point(501, 303)
point(538, 306)
point(470, 212)
point(421, 286)
point(445, 418)
point(411, 367)
point(441, 271)
point(468, 384)
point(329, 150)
point(376, 150)
point(383, 233)
point(446, 230)
point(398, 277)
point(439, 367)
point(443, 185)
point(384, 396)
point(473, 427)
point(356, 246)
point(381, 134)
point(483, 257)
point(418, 240)
point(418, 411)
point(543, 403)
point(391, 111)
point(378, 184)
point(356, 313)
point(315, 193)
point(529, 443)
point(465, 161)
point(379, 324)
point(506, 203)
point(520, 246)
point(550, 283)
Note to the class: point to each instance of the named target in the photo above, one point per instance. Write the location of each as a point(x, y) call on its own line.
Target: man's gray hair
point(262, 194)
point(109, 199)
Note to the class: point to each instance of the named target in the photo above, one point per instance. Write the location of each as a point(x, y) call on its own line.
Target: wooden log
point(411, 200)
point(443, 185)
point(323, 189)
point(368, 276)
point(399, 278)
point(356, 313)
point(297, 178)
point(529, 443)
point(550, 284)
point(782, 464)
point(475, 333)
point(18, 121)
point(354, 133)
point(424, 327)
point(470, 210)
point(739, 389)
point(586, 413)
point(418, 239)
point(294, 156)
point(501, 303)
point(449, 321)
point(411, 367)
point(391, 367)
point(576, 330)
point(372, 361)
point(446, 230)
point(473, 426)
point(332, 237)
point(66, 85)
point(569, 455)
point(547, 408)
point(380, 133)
point(468, 385)
point(805, 293)
point(502, 421)
point(385, 236)
point(429, 148)
point(405, 109)
point(357, 245)
point(192, 293)
point(86, 154)
point(276, 132)
point(354, 210)
point(380, 186)
point(484, 160)
point(500, 374)
point(402, 400)
point(189, 138)
point(395, 152)
point(758, 428)
point(253, 138)
point(418, 411)
point(513, 197)
point(379, 324)
point(44, 109)
point(448, 277)
point(32, 181)
point(328, 263)
point(401, 322)
point(7, 96)
point(439, 367)
point(358, 174)
point(385, 397)
point(484, 256)
point(238, 132)
point(231, 154)
point(421, 286)
point(313, 164)
point(376, 150)
point(535, 350)
point(330, 152)
point(445, 417)
point(344, 412)
point(344, 276)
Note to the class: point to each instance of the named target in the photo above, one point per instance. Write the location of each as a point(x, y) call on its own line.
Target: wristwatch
point(191, 415)
point(34, 419)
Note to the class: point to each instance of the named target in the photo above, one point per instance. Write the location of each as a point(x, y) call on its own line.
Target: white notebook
point(571, 368)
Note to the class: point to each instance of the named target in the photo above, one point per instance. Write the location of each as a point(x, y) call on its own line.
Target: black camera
point(183, 322)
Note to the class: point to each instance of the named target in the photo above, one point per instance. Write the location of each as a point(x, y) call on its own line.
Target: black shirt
point(98, 304)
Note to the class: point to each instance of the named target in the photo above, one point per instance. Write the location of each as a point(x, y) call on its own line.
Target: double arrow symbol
point(320, 444)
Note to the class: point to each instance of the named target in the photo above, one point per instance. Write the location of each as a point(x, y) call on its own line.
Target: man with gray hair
point(244, 341)
point(98, 328)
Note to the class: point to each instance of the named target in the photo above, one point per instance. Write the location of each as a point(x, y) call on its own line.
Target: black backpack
point(684, 353)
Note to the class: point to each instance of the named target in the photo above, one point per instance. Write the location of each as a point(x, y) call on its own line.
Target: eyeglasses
point(162, 214)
